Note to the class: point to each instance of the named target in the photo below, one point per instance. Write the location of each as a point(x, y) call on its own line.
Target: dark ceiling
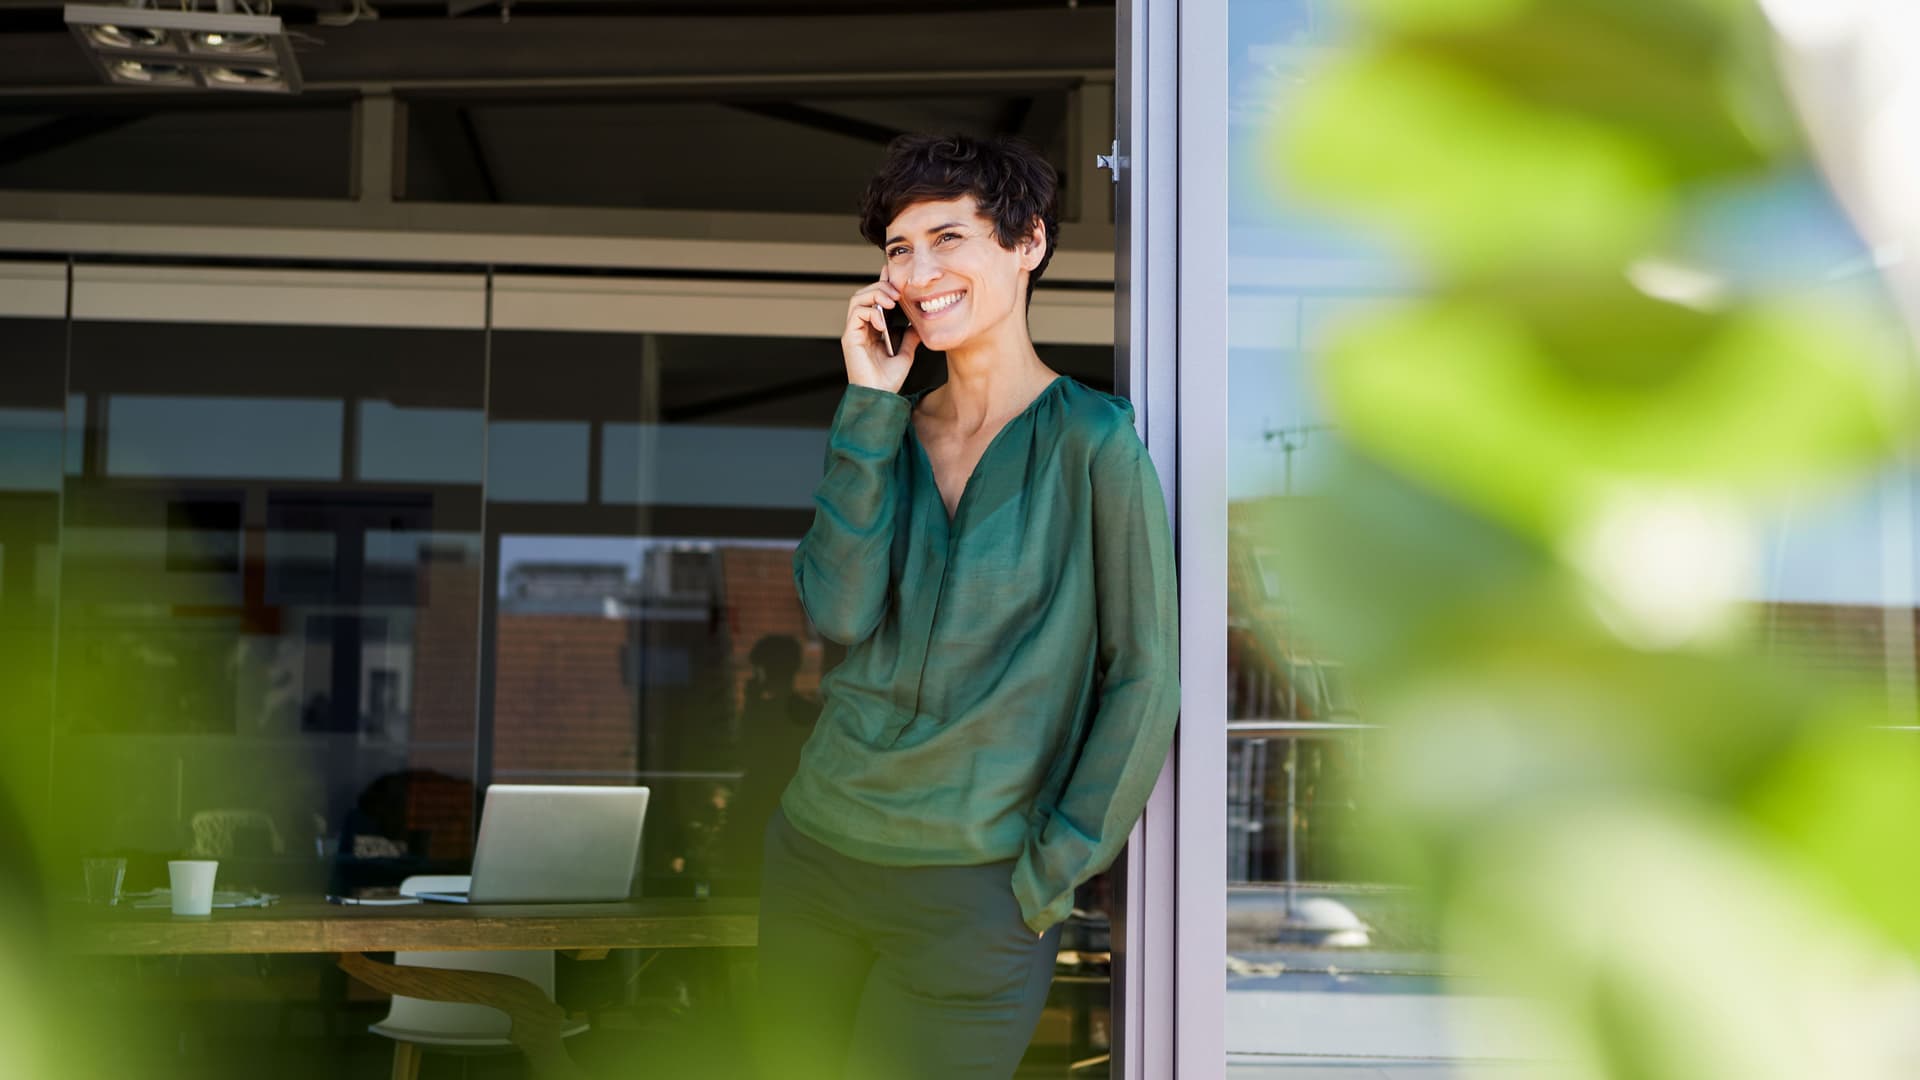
point(626, 103)
point(413, 42)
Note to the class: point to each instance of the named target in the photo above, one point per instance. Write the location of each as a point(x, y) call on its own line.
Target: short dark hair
point(1008, 178)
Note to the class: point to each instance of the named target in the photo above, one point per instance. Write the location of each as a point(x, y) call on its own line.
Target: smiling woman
point(995, 554)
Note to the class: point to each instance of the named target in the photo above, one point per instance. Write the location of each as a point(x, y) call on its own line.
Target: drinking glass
point(104, 877)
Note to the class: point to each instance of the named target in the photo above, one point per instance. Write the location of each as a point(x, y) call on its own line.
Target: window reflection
point(279, 438)
point(537, 461)
point(1837, 593)
point(685, 664)
point(270, 597)
point(1326, 965)
point(309, 607)
point(427, 445)
point(30, 448)
point(711, 465)
point(645, 632)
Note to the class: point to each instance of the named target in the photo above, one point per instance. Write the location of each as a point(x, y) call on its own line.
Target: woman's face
point(958, 283)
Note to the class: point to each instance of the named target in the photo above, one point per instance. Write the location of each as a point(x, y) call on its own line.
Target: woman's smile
point(932, 307)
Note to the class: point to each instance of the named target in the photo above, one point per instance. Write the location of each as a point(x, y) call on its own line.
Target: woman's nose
point(922, 271)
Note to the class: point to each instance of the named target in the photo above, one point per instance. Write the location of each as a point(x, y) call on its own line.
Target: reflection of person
point(996, 553)
point(775, 720)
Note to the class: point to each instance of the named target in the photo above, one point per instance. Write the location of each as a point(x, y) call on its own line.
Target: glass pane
point(647, 630)
point(1330, 970)
point(271, 584)
point(32, 442)
point(644, 628)
point(1326, 969)
point(322, 584)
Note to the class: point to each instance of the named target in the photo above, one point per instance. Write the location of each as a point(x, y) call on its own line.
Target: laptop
point(542, 843)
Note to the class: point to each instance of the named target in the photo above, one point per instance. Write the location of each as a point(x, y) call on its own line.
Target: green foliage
point(1689, 854)
point(1534, 407)
point(1455, 166)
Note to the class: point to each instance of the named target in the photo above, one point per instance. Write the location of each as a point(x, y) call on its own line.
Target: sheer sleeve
point(842, 565)
point(1138, 700)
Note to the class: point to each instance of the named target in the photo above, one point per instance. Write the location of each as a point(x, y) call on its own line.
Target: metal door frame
point(1171, 359)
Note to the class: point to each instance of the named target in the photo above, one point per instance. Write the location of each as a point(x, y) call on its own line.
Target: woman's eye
point(949, 236)
point(896, 252)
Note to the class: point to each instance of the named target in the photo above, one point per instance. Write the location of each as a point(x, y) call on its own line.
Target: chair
point(417, 1024)
point(218, 834)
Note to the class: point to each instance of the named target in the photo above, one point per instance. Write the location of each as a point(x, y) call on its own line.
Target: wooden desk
point(313, 926)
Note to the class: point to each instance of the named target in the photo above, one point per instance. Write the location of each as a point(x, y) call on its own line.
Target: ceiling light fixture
point(148, 73)
point(230, 44)
point(213, 50)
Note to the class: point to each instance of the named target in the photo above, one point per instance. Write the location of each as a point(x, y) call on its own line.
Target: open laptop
point(543, 843)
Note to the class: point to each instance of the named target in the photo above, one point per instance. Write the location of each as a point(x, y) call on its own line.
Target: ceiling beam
point(609, 50)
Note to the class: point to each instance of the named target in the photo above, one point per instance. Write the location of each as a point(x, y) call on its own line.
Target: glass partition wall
point(32, 435)
point(311, 557)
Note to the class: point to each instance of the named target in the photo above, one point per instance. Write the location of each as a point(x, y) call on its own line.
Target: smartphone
point(896, 319)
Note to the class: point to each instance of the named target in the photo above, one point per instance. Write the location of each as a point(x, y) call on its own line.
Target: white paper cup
point(192, 881)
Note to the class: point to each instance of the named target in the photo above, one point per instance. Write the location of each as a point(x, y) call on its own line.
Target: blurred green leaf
point(1507, 722)
point(1416, 15)
point(1383, 569)
point(1475, 179)
point(1699, 22)
point(1464, 394)
point(1685, 851)
point(1663, 943)
point(1663, 75)
point(1844, 805)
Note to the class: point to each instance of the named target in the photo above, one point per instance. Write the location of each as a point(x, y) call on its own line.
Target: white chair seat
point(453, 1025)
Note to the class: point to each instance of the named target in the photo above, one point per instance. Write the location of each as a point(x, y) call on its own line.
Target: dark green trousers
point(892, 972)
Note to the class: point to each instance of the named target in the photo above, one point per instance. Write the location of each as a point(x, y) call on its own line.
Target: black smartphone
point(896, 327)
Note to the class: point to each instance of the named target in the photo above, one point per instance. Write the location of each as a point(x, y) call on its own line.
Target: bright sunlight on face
point(958, 283)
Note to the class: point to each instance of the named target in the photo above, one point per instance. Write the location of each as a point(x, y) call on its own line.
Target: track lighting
point(212, 50)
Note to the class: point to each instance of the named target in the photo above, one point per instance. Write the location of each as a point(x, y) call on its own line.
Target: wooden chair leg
point(406, 1061)
point(537, 1021)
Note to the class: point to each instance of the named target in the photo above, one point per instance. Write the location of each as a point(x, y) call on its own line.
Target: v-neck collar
point(959, 504)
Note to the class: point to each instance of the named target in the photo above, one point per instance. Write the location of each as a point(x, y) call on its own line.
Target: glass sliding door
point(323, 553)
point(651, 466)
point(1326, 967)
point(271, 572)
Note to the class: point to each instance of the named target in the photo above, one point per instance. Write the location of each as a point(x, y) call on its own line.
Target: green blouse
point(1011, 685)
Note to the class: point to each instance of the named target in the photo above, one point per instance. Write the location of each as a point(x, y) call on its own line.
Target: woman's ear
point(1033, 246)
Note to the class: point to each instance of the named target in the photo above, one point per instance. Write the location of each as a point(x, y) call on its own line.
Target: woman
point(995, 553)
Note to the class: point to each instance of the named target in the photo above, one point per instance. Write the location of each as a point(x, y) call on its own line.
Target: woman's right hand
point(864, 342)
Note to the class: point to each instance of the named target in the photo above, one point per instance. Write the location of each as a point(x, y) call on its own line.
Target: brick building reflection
point(600, 675)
